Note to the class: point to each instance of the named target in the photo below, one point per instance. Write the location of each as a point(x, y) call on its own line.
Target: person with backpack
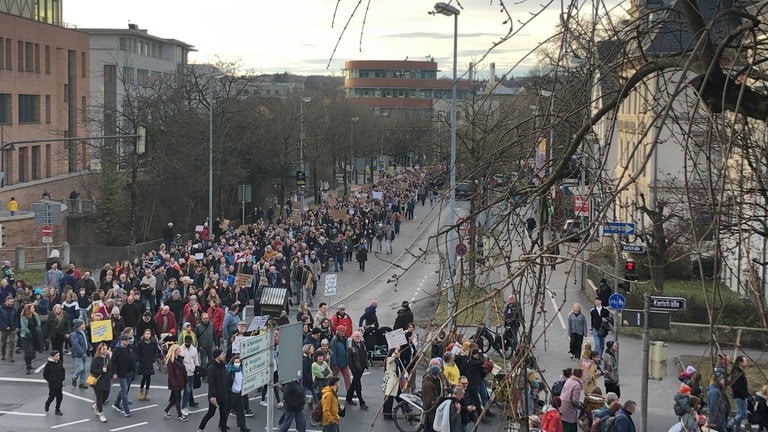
point(448, 413)
point(550, 419)
point(332, 410)
point(718, 406)
point(557, 386)
point(607, 411)
point(622, 421)
point(293, 408)
point(741, 396)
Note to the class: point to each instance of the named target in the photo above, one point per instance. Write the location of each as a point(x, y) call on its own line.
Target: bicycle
point(408, 414)
point(504, 344)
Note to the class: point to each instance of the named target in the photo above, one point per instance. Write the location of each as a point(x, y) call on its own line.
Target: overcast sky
point(299, 36)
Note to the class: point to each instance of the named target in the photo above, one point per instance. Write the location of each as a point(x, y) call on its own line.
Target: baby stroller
point(376, 343)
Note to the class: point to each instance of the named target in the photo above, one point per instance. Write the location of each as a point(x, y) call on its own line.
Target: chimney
point(492, 77)
point(471, 75)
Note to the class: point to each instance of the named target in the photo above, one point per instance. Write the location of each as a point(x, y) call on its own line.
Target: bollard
point(21, 264)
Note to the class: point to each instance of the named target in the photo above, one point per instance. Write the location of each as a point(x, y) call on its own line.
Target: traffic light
point(629, 271)
point(624, 286)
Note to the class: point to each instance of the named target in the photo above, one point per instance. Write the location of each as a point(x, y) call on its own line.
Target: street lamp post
point(381, 151)
point(210, 152)
point(301, 152)
point(448, 10)
point(352, 148)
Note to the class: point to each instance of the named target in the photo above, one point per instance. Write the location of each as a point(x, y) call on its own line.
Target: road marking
point(40, 368)
point(128, 427)
point(201, 410)
point(23, 380)
point(66, 393)
point(23, 413)
point(559, 315)
point(143, 407)
point(70, 423)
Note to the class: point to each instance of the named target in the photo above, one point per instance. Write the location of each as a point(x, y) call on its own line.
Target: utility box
point(658, 360)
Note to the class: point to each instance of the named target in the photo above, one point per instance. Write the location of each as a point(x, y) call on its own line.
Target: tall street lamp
point(448, 10)
point(301, 152)
point(381, 151)
point(210, 151)
point(352, 148)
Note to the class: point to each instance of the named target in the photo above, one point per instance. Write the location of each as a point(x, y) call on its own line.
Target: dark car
point(464, 190)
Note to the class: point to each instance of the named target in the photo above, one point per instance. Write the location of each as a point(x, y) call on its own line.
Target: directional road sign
point(633, 248)
point(624, 228)
point(636, 318)
point(617, 301)
point(252, 344)
point(667, 303)
point(259, 379)
point(258, 361)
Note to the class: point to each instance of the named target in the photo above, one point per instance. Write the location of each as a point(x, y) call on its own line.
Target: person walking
point(235, 387)
point(624, 422)
point(740, 393)
point(123, 366)
point(293, 395)
point(611, 368)
point(191, 362)
point(100, 368)
point(577, 330)
point(9, 326)
point(332, 410)
point(357, 359)
point(600, 320)
point(54, 375)
point(59, 327)
point(217, 391)
point(338, 348)
point(30, 335)
point(361, 254)
point(80, 349)
point(718, 407)
point(177, 379)
point(147, 352)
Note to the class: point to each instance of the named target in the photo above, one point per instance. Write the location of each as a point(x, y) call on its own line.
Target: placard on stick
point(395, 338)
point(243, 280)
point(330, 285)
point(101, 331)
point(257, 323)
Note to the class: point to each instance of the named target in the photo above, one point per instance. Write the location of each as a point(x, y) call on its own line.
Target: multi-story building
point(124, 61)
point(43, 92)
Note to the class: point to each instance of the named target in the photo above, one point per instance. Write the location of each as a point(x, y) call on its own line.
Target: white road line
point(70, 423)
point(40, 368)
point(74, 396)
point(128, 427)
point(199, 410)
point(23, 380)
point(559, 315)
point(23, 414)
point(143, 407)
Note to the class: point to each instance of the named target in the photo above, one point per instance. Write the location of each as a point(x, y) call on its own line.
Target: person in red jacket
point(340, 318)
point(550, 419)
point(165, 320)
point(216, 314)
point(177, 379)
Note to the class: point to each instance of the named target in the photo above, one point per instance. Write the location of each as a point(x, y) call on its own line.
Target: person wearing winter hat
point(218, 391)
point(54, 375)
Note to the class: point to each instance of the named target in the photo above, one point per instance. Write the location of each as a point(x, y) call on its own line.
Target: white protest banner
point(378, 195)
point(236, 344)
point(395, 338)
point(257, 323)
point(330, 285)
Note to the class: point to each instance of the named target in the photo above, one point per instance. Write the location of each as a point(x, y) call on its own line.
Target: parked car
point(571, 230)
point(464, 190)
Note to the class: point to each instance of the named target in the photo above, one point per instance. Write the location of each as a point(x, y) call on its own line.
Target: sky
point(299, 36)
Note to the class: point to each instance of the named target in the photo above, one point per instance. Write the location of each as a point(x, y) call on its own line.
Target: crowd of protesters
point(185, 292)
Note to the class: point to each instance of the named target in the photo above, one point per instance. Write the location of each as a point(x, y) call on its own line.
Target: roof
point(134, 33)
point(608, 51)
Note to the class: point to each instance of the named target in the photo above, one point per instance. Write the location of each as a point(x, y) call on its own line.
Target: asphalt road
point(22, 396)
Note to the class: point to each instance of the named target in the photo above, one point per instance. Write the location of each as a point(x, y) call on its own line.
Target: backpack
point(557, 387)
point(317, 412)
point(609, 423)
point(443, 409)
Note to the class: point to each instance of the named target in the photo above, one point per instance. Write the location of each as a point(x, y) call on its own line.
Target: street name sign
point(623, 228)
point(667, 303)
point(633, 248)
point(636, 318)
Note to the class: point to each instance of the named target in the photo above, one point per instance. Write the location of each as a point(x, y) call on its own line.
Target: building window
point(28, 57)
point(8, 54)
point(48, 109)
point(20, 56)
point(82, 64)
point(2, 53)
point(124, 44)
point(37, 58)
point(142, 77)
point(5, 108)
point(66, 93)
point(129, 75)
point(48, 160)
point(29, 108)
point(48, 59)
point(84, 111)
point(35, 171)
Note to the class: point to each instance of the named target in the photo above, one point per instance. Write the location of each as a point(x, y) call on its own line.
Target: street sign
point(625, 228)
point(636, 318)
point(47, 240)
point(461, 249)
point(667, 303)
point(252, 364)
point(47, 230)
point(633, 248)
point(581, 206)
point(251, 345)
point(617, 301)
point(301, 178)
point(258, 379)
point(462, 224)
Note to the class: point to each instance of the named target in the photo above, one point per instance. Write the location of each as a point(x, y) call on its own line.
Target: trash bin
point(658, 356)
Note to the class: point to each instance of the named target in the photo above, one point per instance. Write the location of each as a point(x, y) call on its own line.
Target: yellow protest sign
point(101, 331)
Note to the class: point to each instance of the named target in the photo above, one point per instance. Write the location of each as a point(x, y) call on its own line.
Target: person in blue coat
point(624, 422)
point(80, 349)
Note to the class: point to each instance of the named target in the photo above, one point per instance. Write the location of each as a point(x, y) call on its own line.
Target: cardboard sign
point(378, 195)
point(199, 228)
point(258, 322)
point(199, 256)
point(395, 338)
point(101, 331)
point(243, 280)
point(330, 285)
point(236, 344)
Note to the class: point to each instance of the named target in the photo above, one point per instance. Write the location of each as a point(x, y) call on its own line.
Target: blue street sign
point(617, 301)
point(624, 228)
point(633, 248)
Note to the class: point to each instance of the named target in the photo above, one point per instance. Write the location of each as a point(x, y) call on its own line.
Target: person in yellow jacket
point(13, 206)
point(332, 411)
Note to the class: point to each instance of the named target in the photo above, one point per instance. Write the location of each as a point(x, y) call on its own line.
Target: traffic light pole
point(616, 270)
